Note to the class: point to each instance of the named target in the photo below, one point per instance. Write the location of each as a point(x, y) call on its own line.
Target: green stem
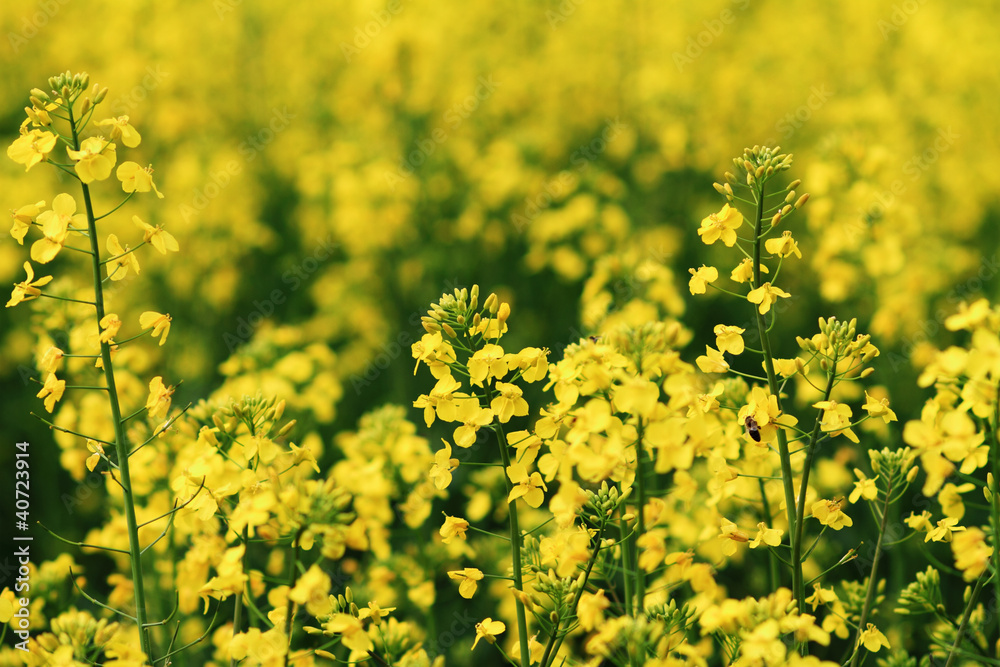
point(121, 441)
point(627, 561)
point(238, 604)
point(640, 486)
point(555, 640)
point(994, 500)
point(290, 607)
point(515, 548)
point(772, 572)
point(772, 382)
point(960, 633)
point(800, 510)
point(872, 580)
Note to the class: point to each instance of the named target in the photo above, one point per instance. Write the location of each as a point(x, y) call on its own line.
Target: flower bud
point(865, 373)
point(503, 313)
point(719, 188)
point(730, 178)
point(912, 473)
point(101, 95)
point(448, 330)
point(759, 171)
point(794, 184)
point(279, 409)
point(776, 219)
point(491, 304)
point(348, 595)
point(790, 197)
point(286, 428)
point(802, 201)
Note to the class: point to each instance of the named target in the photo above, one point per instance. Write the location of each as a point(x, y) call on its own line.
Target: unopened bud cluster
point(458, 315)
point(839, 340)
point(758, 165)
point(894, 464)
point(603, 502)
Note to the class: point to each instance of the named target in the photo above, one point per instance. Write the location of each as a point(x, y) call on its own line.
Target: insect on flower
point(753, 430)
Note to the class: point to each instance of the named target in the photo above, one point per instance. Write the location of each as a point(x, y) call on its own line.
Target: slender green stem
point(238, 605)
point(515, 549)
point(121, 440)
point(994, 499)
point(960, 633)
point(772, 381)
point(555, 640)
point(872, 578)
point(290, 607)
point(640, 487)
point(772, 572)
point(627, 560)
point(800, 510)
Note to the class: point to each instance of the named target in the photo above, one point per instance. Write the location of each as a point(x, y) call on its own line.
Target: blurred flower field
point(457, 359)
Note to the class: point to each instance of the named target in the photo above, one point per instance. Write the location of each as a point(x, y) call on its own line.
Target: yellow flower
point(473, 417)
point(744, 271)
point(950, 497)
point(110, 325)
point(591, 608)
point(51, 359)
point(836, 419)
point(509, 402)
point(532, 362)
point(712, 361)
point(828, 513)
point(453, 527)
point(94, 160)
point(352, 633)
point(159, 323)
point(944, 530)
point(52, 391)
point(763, 407)
point(55, 227)
point(821, 596)
point(864, 488)
point(529, 487)
point(721, 225)
point(488, 630)
point(876, 408)
point(375, 612)
point(728, 338)
point(921, 522)
point(31, 147)
point(783, 246)
point(443, 466)
point(121, 260)
point(972, 553)
point(22, 220)
point(873, 639)
point(158, 403)
point(735, 535)
point(968, 316)
point(701, 278)
point(470, 578)
point(161, 239)
point(98, 454)
point(27, 290)
point(312, 589)
point(765, 295)
point(769, 536)
point(120, 127)
point(136, 179)
point(489, 362)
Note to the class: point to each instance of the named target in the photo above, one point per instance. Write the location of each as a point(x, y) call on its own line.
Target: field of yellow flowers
point(414, 333)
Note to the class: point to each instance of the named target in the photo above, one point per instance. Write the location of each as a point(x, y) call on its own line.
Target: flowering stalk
point(772, 383)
